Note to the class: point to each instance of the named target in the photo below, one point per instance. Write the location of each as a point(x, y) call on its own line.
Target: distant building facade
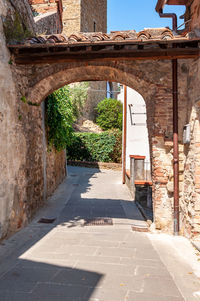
point(87, 16)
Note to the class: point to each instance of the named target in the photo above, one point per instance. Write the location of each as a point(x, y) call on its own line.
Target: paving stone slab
point(119, 252)
point(56, 291)
point(161, 286)
point(133, 296)
point(106, 269)
point(109, 294)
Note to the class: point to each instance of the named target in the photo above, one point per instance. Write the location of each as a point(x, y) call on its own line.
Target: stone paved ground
point(67, 261)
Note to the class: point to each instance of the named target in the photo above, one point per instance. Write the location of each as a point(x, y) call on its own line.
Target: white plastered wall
point(137, 133)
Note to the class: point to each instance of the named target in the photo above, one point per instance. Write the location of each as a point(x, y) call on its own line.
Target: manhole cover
point(98, 222)
point(140, 228)
point(46, 220)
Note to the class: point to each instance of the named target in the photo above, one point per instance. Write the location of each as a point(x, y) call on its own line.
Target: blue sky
point(134, 14)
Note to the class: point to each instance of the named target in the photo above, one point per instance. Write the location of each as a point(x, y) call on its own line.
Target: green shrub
point(116, 155)
point(63, 107)
point(109, 114)
point(59, 119)
point(95, 147)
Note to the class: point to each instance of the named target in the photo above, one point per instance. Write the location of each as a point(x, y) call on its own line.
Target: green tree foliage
point(78, 95)
point(109, 114)
point(59, 119)
point(63, 107)
point(116, 155)
point(103, 147)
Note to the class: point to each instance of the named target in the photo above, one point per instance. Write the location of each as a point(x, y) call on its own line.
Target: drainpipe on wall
point(175, 127)
point(175, 145)
point(169, 15)
point(124, 136)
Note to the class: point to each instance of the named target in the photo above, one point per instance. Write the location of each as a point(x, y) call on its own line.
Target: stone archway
point(152, 81)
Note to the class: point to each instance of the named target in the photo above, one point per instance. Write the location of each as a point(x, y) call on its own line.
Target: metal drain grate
point(75, 185)
point(98, 222)
point(46, 220)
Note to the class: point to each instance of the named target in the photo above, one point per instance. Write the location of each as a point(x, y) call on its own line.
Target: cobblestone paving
point(72, 262)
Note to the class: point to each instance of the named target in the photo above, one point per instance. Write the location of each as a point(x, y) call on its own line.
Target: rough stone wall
point(9, 163)
point(71, 16)
point(190, 157)
point(193, 14)
point(80, 15)
point(190, 202)
point(94, 15)
point(23, 148)
point(22, 8)
point(55, 170)
point(47, 23)
point(49, 16)
point(43, 6)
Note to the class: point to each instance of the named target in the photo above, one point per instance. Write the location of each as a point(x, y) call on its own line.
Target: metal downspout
point(175, 127)
point(175, 145)
point(124, 135)
point(170, 15)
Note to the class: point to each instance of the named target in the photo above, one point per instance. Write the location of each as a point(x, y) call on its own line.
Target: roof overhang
point(104, 51)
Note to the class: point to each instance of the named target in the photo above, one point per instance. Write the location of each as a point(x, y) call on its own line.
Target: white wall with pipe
point(137, 133)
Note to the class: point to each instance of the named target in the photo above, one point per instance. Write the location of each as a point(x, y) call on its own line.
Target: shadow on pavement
point(79, 208)
point(22, 279)
point(34, 281)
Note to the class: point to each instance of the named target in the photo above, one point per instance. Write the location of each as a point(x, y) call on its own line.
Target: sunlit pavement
point(68, 260)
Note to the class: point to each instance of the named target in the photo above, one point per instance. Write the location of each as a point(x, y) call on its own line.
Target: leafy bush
point(59, 119)
point(63, 107)
point(116, 155)
point(94, 147)
point(109, 114)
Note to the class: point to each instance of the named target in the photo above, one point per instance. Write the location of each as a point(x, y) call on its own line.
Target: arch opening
point(143, 78)
point(136, 133)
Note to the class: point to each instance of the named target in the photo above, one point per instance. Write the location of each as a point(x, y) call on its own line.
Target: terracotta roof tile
point(146, 34)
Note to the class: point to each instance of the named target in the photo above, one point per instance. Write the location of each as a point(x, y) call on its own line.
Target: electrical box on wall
point(186, 134)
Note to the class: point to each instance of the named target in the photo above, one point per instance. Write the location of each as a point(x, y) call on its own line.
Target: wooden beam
point(144, 54)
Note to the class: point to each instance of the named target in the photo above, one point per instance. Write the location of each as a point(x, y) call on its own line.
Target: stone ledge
point(99, 165)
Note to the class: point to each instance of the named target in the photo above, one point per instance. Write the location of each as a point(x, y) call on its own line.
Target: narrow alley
point(73, 259)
